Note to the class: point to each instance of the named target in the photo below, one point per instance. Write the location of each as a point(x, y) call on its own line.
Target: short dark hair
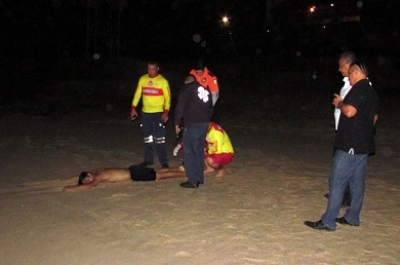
point(362, 67)
point(200, 65)
point(348, 56)
point(153, 62)
point(82, 176)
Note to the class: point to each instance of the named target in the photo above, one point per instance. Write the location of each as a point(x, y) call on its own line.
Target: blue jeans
point(194, 138)
point(154, 133)
point(347, 169)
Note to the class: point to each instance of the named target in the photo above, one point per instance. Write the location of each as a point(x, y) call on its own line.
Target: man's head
point(82, 177)
point(199, 67)
point(345, 60)
point(85, 178)
point(357, 72)
point(152, 68)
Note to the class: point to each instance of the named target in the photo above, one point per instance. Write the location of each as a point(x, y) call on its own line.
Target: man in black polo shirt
point(354, 142)
point(194, 109)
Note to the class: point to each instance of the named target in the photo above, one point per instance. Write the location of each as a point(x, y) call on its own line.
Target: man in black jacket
point(194, 110)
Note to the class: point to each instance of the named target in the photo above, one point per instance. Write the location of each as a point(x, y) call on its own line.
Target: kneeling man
point(219, 150)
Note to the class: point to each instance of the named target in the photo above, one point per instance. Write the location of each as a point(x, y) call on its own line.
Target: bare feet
point(221, 173)
point(209, 170)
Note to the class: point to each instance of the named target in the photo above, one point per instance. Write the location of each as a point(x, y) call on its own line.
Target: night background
point(68, 71)
point(62, 52)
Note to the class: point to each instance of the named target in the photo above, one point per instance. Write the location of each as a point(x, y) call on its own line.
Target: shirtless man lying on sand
point(87, 180)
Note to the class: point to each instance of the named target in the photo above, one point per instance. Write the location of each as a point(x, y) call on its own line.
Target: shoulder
point(143, 78)
point(193, 85)
point(216, 128)
point(210, 74)
point(363, 86)
point(161, 78)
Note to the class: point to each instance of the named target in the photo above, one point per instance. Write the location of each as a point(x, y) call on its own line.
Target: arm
point(375, 119)
point(214, 142)
point(212, 83)
point(179, 109)
point(167, 101)
point(135, 100)
point(346, 109)
point(94, 183)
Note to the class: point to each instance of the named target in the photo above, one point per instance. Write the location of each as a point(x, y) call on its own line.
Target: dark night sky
point(45, 41)
point(43, 30)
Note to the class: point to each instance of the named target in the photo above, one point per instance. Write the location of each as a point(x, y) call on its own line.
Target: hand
point(178, 129)
point(134, 114)
point(337, 100)
point(165, 117)
point(176, 149)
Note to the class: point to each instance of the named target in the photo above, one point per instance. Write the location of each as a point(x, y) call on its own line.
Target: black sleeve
point(182, 99)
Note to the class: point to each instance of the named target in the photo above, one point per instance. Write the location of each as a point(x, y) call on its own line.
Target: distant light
point(109, 107)
point(96, 56)
point(196, 38)
point(332, 5)
point(225, 19)
point(312, 9)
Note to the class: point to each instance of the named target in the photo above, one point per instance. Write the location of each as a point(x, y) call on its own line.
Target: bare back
point(112, 175)
point(103, 175)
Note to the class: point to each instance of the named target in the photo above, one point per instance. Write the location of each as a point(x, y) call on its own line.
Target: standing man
point(206, 79)
point(355, 142)
point(154, 90)
point(345, 61)
point(194, 110)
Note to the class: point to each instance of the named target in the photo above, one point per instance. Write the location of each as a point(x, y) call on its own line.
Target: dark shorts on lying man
point(141, 173)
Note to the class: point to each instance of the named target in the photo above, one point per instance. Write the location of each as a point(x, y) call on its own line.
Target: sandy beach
point(68, 73)
point(253, 215)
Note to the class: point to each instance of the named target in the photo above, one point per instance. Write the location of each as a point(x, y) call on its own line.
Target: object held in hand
point(176, 149)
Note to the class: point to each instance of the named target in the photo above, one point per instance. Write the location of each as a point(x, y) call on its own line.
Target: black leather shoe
point(189, 185)
point(200, 183)
point(343, 221)
point(319, 225)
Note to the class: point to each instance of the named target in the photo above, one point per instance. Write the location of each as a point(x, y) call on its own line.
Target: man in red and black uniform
point(206, 79)
point(154, 90)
